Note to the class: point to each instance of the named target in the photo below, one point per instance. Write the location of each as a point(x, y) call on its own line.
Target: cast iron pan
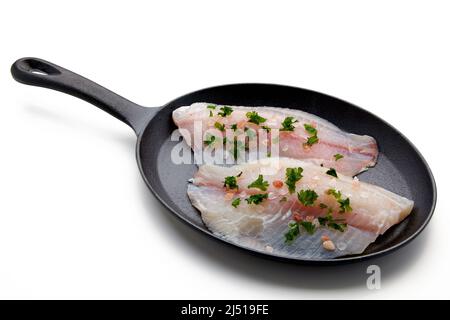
point(400, 166)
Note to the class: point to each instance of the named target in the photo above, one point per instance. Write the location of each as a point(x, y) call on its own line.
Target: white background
point(76, 219)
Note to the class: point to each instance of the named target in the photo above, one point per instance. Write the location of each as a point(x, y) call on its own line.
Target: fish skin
point(360, 151)
point(263, 226)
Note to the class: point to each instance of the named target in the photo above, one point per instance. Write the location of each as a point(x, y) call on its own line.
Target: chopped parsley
point(210, 113)
point(294, 230)
point(288, 124)
point(292, 233)
point(309, 226)
point(236, 202)
point(257, 198)
point(313, 138)
point(334, 193)
point(255, 118)
point(344, 204)
point(219, 126)
point(292, 176)
point(259, 183)
point(338, 156)
point(266, 128)
point(231, 182)
point(210, 139)
point(234, 127)
point(332, 172)
point(211, 106)
point(323, 206)
point(310, 129)
point(284, 199)
point(225, 111)
point(332, 223)
point(307, 197)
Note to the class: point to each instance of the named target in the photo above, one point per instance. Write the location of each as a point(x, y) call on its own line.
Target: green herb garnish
point(332, 223)
point(266, 128)
point(219, 126)
point(313, 138)
point(292, 233)
point(284, 199)
point(257, 198)
point(323, 205)
point(210, 113)
point(236, 202)
point(334, 193)
point(225, 111)
point(338, 156)
point(211, 106)
point(294, 230)
point(332, 172)
point(254, 117)
point(292, 176)
point(344, 204)
point(288, 124)
point(210, 139)
point(234, 127)
point(259, 183)
point(310, 129)
point(307, 197)
point(230, 182)
point(309, 226)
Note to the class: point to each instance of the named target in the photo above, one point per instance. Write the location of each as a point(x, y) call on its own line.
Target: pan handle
point(41, 73)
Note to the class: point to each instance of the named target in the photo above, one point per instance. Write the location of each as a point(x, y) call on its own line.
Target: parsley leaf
point(334, 193)
point(293, 232)
point(332, 172)
point(307, 197)
point(344, 204)
point(257, 198)
point(338, 156)
point(292, 176)
point(225, 111)
point(310, 129)
point(210, 113)
point(231, 182)
point(266, 128)
point(236, 202)
point(219, 126)
point(210, 140)
point(313, 138)
point(330, 222)
point(288, 124)
point(211, 106)
point(309, 226)
point(254, 117)
point(234, 127)
point(259, 183)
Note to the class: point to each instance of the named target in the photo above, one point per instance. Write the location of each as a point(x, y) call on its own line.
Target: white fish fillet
point(359, 151)
point(262, 226)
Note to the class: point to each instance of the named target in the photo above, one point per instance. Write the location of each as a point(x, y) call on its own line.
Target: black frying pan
point(400, 166)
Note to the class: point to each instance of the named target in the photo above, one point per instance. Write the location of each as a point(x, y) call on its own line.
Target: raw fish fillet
point(263, 226)
point(359, 151)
